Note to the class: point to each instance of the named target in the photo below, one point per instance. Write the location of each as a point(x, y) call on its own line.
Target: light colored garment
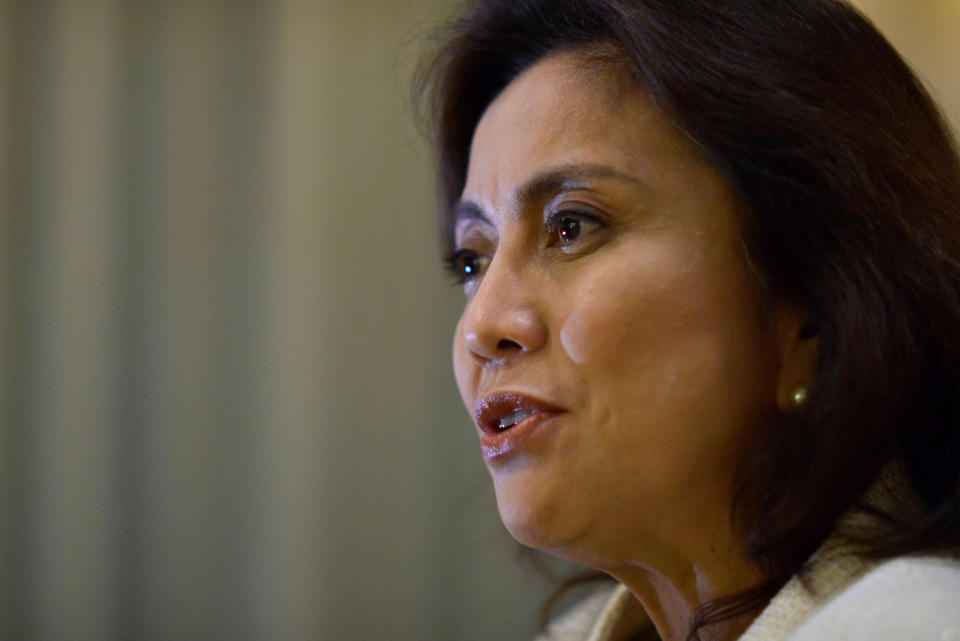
point(898, 600)
point(904, 599)
point(603, 616)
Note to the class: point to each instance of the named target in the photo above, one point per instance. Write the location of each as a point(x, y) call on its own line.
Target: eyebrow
point(548, 183)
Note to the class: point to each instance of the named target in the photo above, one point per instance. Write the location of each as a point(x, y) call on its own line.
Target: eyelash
point(454, 261)
point(555, 219)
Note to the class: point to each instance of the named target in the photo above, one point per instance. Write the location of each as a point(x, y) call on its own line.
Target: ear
point(799, 352)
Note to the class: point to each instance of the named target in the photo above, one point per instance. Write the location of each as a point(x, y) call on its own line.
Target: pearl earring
point(799, 397)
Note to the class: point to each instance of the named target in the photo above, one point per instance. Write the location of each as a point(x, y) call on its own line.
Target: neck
point(683, 576)
point(672, 593)
point(672, 606)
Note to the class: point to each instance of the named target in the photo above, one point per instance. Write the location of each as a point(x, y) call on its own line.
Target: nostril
point(507, 345)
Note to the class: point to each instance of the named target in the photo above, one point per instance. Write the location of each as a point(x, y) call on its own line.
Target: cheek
point(666, 328)
point(574, 335)
point(464, 369)
point(611, 315)
point(581, 333)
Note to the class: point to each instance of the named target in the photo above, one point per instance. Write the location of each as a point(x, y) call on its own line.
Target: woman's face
point(611, 317)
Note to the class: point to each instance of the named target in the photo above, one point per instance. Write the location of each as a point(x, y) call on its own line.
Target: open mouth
point(499, 412)
point(509, 420)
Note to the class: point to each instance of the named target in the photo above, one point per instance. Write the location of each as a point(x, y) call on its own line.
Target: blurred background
point(226, 410)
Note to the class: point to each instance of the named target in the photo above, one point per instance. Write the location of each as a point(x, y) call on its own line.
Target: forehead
point(561, 88)
point(565, 111)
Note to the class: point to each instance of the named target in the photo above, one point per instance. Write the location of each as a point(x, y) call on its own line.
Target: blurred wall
point(925, 33)
point(227, 408)
point(225, 394)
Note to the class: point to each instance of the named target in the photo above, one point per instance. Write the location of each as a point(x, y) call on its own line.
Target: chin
point(534, 520)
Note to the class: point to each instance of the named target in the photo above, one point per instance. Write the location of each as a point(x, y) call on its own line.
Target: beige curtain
point(225, 397)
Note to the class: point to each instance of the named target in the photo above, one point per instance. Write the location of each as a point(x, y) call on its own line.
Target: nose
point(503, 319)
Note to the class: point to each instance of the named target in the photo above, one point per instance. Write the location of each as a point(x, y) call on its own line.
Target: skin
point(645, 324)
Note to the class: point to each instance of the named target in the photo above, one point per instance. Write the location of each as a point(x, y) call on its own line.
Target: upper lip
point(490, 409)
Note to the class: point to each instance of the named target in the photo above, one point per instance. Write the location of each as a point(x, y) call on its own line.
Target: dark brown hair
point(850, 188)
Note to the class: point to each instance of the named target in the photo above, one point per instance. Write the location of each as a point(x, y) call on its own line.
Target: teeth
point(514, 417)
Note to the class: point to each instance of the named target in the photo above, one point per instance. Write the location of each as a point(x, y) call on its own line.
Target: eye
point(567, 227)
point(466, 264)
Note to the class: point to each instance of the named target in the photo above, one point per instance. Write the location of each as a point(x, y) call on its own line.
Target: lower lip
point(501, 444)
